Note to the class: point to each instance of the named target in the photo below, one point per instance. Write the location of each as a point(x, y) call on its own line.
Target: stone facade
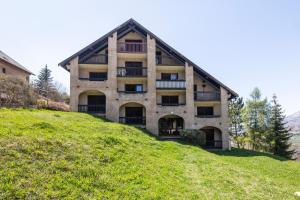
point(150, 100)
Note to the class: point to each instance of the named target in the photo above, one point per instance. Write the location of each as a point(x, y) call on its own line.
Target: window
point(169, 100)
point(134, 88)
point(169, 76)
point(205, 111)
point(98, 76)
point(3, 70)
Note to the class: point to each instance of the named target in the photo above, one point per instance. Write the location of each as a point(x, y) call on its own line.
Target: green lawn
point(48, 154)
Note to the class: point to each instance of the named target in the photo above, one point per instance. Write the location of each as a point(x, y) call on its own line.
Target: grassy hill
point(47, 154)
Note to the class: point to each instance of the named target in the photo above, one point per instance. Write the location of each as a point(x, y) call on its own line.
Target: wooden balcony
point(171, 84)
point(130, 47)
point(207, 96)
point(96, 59)
point(167, 61)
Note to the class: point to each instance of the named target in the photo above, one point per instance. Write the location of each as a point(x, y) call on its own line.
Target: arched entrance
point(170, 125)
point(92, 101)
point(213, 137)
point(132, 113)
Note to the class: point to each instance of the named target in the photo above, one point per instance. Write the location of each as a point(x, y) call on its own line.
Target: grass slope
point(47, 154)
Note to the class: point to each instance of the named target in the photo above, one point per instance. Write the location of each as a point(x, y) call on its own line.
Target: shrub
point(196, 137)
point(51, 105)
point(15, 92)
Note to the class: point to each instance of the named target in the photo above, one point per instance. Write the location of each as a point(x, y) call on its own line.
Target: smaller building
point(9, 66)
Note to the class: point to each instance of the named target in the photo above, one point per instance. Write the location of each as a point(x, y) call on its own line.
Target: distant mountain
point(293, 121)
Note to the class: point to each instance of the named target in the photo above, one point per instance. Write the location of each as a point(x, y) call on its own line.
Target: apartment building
point(131, 76)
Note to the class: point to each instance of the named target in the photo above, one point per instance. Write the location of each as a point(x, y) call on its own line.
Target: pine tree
point(279, 134)
point(256, 116)
point(236, 129)
point(44, 83)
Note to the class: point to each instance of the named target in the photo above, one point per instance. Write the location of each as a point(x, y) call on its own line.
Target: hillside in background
point(56, 155)
point(294, 122)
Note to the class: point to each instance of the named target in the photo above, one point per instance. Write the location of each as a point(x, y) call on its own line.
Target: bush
point(15, 92)
point(196, 137)
point(51, 105)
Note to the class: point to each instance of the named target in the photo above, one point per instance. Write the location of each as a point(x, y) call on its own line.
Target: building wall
point(115, 101)
point(13, 71)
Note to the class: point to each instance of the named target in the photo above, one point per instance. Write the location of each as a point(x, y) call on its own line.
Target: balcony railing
point(171, 104)
point(133, 120)
point(132, 71)
point(171, 84)
point(130, 47)
point(167, 60)
point(97, 109)
point(92, 79)
point(207, 96)
point(96, 59)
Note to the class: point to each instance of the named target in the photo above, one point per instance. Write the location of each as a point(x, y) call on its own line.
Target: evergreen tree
point(256, 117)
point(44, 83)
point(236, 129)
point(279, 134)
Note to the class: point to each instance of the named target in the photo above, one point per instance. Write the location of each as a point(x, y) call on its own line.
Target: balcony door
point(134, 68)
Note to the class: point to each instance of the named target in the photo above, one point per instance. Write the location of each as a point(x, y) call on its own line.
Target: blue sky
point(242, 43)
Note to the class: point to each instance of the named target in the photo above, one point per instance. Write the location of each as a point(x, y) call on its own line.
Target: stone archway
point(92, 101)
point(132, 113)
point(170, 125)
point(213, 137)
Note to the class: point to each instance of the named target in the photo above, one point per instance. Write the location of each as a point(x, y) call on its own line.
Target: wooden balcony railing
point(97, 109)
point(171, 84)
point(130, 47)
point(167, 60)
point(207, 96)
point(132, 71)
point(133, 120)
point(96, 59)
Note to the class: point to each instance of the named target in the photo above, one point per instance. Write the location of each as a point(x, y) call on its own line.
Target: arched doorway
point(213, 137)
point(132, 113)
point(92, 101)
point(170, 125)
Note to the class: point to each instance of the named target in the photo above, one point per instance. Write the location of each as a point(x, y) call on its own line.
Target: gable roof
point(132, 25)
point(11, 61)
